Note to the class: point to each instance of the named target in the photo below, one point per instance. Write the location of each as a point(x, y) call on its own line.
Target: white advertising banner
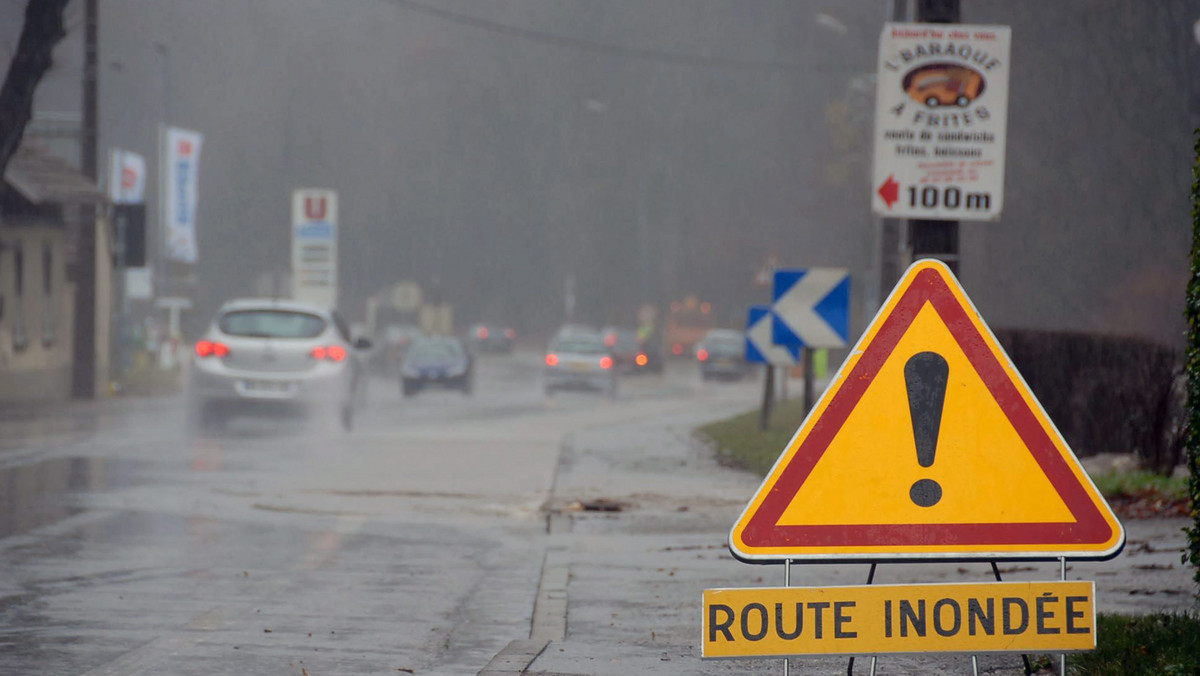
point(181, 149)
point(127, 177)
point(941, 114)
point(314, 246)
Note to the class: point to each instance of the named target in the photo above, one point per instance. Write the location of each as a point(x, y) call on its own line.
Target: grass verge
point(739, 442)
point(1142, 645)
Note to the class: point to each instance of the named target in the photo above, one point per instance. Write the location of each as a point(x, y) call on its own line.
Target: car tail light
point(551, 359)
point(510, 334)
point(677, 349)
point(482, 333)
point(208, 348)
point(702, 355)
point(610, 340)
point(605, 362)
point(331, 352)
point(642, 360)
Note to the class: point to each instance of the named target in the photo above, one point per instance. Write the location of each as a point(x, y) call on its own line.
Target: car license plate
point(581, 367)
point(266, 387)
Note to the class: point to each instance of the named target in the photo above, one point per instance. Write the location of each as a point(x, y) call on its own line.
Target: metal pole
point(787, 582)
point(83, 379)
point(1062, 576)
point(764, 417)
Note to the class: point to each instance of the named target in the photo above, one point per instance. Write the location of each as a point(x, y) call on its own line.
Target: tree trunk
point(42, 30)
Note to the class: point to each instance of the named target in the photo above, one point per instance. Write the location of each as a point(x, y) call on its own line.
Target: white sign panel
point(181, 168)
point(127, 177)
point(941, 112)
point(314, 246)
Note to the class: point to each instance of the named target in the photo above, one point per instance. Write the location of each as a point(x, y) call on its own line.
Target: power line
point(592, 46)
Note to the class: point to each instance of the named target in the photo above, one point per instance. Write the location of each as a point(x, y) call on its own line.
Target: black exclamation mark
point(925, 376)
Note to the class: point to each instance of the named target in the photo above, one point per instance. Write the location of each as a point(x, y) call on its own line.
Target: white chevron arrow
point(797, 307)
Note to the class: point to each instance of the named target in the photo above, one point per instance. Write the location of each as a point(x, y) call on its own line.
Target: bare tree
point(42, 30)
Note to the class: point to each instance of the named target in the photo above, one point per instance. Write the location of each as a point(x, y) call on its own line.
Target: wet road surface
point(413, 543)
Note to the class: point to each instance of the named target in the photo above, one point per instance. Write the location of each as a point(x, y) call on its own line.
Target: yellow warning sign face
point(928, 444)
point(879, 619)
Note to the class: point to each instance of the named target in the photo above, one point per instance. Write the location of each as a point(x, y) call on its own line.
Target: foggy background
point(651, 150)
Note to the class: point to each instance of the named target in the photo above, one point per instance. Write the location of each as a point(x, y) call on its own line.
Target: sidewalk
point(636, 575)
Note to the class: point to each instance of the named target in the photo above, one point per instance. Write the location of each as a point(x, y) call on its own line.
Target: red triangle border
point(927, 286)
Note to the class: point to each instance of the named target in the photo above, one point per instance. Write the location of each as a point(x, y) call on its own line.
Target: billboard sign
point(181, 149)
point(941, 115)
point(126, 177)
point(314, 246)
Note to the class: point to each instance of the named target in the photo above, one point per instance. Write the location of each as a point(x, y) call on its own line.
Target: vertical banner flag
point(127, 177)
point(314, 246)
point(181, 148)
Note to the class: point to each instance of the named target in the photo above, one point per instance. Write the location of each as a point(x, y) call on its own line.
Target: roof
point(43, 178)
point(272, 304)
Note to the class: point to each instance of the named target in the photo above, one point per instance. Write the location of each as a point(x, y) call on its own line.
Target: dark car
point(624, 347)
point(440, 362)
point(722, 354)
point(491, 338)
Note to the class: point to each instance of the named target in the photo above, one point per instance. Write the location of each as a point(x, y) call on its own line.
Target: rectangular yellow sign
point(878, 619)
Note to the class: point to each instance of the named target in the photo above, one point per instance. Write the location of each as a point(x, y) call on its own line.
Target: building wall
point(36, 310)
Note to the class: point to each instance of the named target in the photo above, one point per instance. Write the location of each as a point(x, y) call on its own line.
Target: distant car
point(722, 354)
point(491, 338)
point(272, 357)
point(622, 344)
point(436, 361)
point(578, 360)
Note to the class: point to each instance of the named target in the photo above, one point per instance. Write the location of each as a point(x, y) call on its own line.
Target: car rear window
point(580, 345)
point(431, 353)
point(272, 324)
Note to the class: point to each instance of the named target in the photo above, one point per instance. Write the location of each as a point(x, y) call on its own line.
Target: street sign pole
point(936, 238)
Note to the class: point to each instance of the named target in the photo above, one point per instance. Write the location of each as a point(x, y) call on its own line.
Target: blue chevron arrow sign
point(759, 347)
point(811, 307)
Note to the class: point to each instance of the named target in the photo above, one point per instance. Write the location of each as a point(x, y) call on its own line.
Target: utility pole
point(936, 238)
point(83, 380)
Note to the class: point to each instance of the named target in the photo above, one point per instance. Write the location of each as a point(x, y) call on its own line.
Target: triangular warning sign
point(927, 444)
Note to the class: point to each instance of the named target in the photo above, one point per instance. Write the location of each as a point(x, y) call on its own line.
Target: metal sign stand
point(1062, 664)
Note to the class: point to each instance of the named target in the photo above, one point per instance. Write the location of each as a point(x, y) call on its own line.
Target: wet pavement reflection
point(36, 494)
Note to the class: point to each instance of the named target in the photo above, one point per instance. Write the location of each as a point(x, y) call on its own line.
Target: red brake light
point(605, 362)
point(610, 339)
point(482, 333)
point(551, 359)
point(702, 355)
point(330, 352)
point(677, 348)
point(208, 348)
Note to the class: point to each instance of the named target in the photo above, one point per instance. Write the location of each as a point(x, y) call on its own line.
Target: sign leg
point(1062, 575)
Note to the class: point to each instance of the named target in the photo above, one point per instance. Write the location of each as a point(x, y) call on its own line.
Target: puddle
point(34, 495)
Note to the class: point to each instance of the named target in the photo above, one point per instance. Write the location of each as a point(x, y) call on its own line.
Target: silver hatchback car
point(275, 357)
